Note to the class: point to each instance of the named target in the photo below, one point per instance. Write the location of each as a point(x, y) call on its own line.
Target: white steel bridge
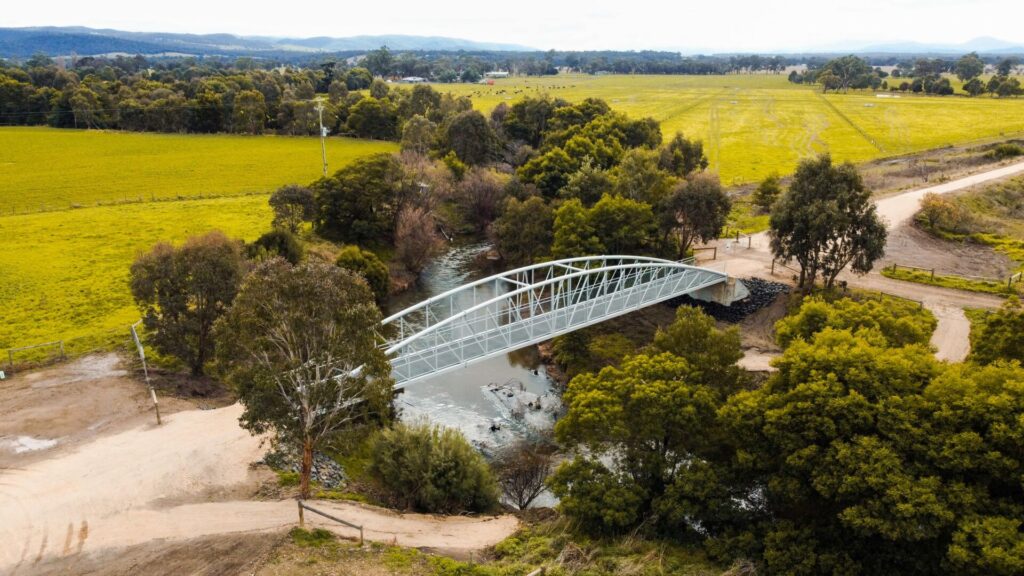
point(529, 305)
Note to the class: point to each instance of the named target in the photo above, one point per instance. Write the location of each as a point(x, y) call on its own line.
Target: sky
point(684, 25)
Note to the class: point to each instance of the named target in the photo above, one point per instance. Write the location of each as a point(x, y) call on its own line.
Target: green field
point(753, 125)
point(64, 272)
point(55, 169)
point(64, 275)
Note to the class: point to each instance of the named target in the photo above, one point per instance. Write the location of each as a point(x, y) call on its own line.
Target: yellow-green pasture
point(55, 169)
point(753, 125)
point(64, 275)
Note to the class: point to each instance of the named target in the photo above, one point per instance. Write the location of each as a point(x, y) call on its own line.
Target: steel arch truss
point(529, 305)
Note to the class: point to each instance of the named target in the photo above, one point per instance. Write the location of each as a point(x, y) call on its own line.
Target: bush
point(276, 243)
point(1006, 150)
point(367, 265)
point(898, 322)
point(432, 469)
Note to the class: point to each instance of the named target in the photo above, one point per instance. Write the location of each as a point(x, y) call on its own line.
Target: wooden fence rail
point(11, 351)
point(302, 519)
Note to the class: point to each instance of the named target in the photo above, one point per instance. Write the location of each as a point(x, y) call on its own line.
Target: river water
point(493, 402)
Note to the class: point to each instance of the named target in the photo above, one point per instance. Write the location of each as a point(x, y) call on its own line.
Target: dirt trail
point(180, 480)
point(951, 337)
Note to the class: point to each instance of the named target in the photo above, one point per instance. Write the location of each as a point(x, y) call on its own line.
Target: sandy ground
point(906, 246)
point(128, 481)
point(59, 407)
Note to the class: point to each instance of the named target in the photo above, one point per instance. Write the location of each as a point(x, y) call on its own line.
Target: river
point(490, 401)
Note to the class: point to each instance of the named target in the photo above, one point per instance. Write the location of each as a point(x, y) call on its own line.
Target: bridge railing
point(531, 313)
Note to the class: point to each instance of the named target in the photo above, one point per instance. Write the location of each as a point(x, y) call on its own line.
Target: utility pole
point(323, 134)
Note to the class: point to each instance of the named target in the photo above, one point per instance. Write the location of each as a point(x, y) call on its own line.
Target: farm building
point(496, 74)
point(413, 80)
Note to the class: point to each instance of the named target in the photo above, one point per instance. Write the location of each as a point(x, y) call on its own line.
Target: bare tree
point(300, 347)
point(479, 196)
point(416, 238)
point(522, 469)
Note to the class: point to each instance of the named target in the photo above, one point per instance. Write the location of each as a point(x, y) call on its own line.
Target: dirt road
point(951, 337)
point(189, 477)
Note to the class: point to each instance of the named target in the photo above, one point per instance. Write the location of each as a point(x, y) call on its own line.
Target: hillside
point(59, 41)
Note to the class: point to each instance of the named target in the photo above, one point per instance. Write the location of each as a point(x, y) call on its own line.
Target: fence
point(1010, 281)
point(302, 518)
point(12, 351)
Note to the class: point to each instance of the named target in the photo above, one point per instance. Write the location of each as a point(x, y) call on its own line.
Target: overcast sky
point(687, 25)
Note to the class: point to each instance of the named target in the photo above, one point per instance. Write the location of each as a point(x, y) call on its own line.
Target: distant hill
point(981, 45)
point(58, 41)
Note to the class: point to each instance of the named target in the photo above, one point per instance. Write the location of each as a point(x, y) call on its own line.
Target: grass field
point(64, 272)
point(753, 125)
point(49, 168)
point(64, 275)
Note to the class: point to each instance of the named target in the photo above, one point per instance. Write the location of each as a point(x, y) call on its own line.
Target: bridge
point(529, 305)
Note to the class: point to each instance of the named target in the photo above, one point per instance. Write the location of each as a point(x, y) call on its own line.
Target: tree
point(1006, 66)
point(358, 78)
point(277, 242)
point(469, 135)
point(624, 226)
point(300, 346)
point(182, 291)
point(767, 192)
point(372, 118)
point(637, 426)
point(859, 458)
point(360, 202)
point(379, 61)
point(250, 112)
point(639, 177)
point(369, 266)
point(550, 171)
point(826, 222)
point(292, 205)
point(696, 210)
point(587, 184)
point(522, 469)
point(523, 231)
point(416, 238)
point(528, 119)
point(1000, 335)
point(573, 233)
point(974, 87)
point(418, 135)
point(479, 197)
point(693, 336)
point(969, 67)
point(683, 157)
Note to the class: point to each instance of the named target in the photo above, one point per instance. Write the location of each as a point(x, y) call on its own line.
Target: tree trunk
point(307, 467)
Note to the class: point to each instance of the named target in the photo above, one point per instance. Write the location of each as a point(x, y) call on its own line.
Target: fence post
point(933, 274)
point(714, 253)
point(10, 360)
point(773, 266)
point(62, 356)
point(302, 519)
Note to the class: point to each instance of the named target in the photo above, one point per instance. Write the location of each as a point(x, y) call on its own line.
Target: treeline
point(129, 94)
point(923, 75)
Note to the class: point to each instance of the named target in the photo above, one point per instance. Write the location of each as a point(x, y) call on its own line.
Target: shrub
point(367, 265)
point(522, 469)
point(899, 323)
point(432, 469)
point(276, 243)
point(1006, 150)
